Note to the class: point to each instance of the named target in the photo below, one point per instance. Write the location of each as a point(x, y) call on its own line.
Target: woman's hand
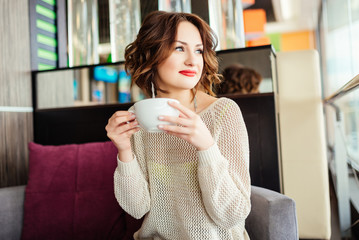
point(121, 126)
point(188, 126)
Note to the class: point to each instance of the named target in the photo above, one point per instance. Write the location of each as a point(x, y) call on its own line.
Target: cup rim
point(152, 99)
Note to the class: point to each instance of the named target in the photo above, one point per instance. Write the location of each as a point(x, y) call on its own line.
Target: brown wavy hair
point(154, 44)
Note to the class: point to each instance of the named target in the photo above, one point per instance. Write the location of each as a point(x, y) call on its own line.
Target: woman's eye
point(200, 51)
point(180, 48)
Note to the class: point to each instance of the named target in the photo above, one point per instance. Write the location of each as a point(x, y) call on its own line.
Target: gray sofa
point(273, 215)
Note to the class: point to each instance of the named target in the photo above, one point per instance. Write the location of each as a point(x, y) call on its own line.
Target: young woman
point(190, 181)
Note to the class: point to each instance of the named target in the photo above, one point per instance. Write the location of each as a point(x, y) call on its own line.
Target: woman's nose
point(191, 59)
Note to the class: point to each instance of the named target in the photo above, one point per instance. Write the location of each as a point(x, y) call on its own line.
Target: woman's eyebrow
point(184, 43)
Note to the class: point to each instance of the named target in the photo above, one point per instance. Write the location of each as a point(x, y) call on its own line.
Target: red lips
point(188, 73)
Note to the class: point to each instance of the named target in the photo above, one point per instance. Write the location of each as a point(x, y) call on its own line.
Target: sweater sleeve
point(223, 169)
point(131, 188)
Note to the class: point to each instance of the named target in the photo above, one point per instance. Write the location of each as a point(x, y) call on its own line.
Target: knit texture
point(185, 193)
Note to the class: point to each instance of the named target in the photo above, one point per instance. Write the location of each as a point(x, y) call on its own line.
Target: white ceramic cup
point(148, 110)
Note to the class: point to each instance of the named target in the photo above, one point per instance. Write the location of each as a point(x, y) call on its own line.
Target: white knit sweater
point(185, 193)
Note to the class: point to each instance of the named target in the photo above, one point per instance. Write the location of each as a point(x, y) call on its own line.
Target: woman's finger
point(179, 135)
point(131, 130)
point(187, 112)
point(125, 127)
point(123, 133)
point(121, 114)
point(176, 120)
point(175, 129)
point(120, 118)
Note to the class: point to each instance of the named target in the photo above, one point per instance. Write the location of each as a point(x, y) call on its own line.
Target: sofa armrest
point(11, 212)
point(273, 216)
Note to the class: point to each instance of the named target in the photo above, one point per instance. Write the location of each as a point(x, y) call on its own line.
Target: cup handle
point(131, 111)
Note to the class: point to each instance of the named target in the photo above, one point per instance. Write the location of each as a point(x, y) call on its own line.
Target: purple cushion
point(70, 194)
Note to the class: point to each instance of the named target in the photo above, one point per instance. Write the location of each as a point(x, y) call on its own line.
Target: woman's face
point(183, 68)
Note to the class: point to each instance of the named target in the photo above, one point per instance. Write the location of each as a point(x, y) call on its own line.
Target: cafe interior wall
point(16, 124)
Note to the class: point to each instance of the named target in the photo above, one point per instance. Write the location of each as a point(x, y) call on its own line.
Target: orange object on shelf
point(258, 42)
point(297, 41)
point(254, 20)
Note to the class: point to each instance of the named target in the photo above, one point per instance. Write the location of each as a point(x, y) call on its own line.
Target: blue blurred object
point(76, 95)
point(97, 95)
point(105, 74)
point(124, 87)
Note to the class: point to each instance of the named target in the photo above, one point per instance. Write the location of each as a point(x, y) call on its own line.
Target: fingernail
point(160, 126)
point(161, 118)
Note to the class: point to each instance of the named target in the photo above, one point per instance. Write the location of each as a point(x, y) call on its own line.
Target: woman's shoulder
point(226, 106)
point(224, 103)
point(221, 106)
point(227, 101)
point(207, 102)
